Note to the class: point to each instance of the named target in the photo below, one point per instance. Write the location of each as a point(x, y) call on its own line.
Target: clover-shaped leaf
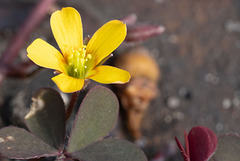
point(46, 118)
point(202, 143)
point(96, 117)
point(110, 150)
point(17, 143)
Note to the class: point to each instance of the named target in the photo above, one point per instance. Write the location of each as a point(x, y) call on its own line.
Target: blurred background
point(198, 56)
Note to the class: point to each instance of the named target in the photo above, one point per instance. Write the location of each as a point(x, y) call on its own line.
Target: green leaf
point(96, 117)
point(110, 150)
point(228, 148)
point(46, 118)
point(17, 143)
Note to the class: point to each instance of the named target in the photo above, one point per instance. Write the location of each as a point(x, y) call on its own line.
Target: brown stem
point(32, 21)
point(138, 33)
point(182, 151)
point(18, 41)
point(71, 105)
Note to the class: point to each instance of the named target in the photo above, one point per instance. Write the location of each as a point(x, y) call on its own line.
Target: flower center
point(77, 66)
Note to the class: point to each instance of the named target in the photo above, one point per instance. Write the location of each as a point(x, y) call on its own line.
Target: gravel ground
point(198, 55)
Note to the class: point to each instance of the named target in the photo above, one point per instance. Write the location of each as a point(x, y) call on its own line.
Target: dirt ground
point(198, 54)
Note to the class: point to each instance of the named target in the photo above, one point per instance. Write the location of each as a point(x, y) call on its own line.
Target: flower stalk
point(71, 105)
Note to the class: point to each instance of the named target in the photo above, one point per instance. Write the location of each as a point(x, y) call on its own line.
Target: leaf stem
point(187, 144)
point(182, 151)
point(71, 105)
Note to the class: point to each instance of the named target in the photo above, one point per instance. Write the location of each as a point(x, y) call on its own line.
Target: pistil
point(76, 63)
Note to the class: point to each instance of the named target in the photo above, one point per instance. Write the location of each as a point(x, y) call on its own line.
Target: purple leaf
point(17, 143)
point(96, 117)
point(110, 150)
point(46, 118)
point(202, 143)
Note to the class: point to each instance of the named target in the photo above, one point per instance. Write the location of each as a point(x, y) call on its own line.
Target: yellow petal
point(108, 74)
point(45, 55)
point(67, 29)
point(68, 84)
point(106, 40)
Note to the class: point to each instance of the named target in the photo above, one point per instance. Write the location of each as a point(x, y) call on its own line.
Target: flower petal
point(68, 84)
point(106, 40)
point(108, 74)
point(67, 29)
point(45, 55)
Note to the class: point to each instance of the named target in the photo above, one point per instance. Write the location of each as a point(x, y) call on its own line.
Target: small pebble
point(226, 103)
point(184, 93)
point(168, 119)
point(178, 115)
point(173, 39)
point(173, 102)
point(141, 143)
point(210, 78)
point(232, 26)
point(236, 102)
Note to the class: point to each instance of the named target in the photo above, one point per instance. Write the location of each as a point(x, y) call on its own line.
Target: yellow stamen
point(76, 63)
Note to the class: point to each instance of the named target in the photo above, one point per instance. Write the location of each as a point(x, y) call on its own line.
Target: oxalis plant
point(46, 137)
point(201, 144)
point(75, 63)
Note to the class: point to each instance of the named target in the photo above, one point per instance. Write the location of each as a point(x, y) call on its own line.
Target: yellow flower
point(77, 62)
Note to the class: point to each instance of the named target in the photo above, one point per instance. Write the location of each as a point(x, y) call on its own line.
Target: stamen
point(76, 62)
point(89, 56)
point(81, 60)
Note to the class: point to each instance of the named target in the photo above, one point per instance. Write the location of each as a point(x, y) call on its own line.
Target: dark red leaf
point(202, 143)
